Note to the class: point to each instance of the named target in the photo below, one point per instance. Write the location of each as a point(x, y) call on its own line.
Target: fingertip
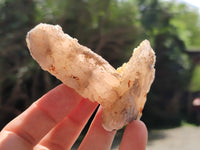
point(134, 137)
point(139, 126)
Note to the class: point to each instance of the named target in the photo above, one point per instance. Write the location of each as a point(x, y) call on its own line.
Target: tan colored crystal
point(122, 93)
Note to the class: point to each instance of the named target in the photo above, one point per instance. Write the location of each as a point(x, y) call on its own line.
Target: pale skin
point(55, 121)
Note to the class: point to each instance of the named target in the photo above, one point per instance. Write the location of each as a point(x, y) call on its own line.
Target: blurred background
point(111, 28)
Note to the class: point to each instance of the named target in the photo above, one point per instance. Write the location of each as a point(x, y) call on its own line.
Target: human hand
point(55, 121)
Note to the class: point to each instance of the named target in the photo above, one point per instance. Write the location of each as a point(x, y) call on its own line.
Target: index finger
point(42, 115)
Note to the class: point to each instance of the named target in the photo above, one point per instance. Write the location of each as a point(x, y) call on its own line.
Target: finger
point(135, 136)
point(97, 137)
point(42, 116)
point(67, 131)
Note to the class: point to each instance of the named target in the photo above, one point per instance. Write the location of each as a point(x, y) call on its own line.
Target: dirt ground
point(180, 138)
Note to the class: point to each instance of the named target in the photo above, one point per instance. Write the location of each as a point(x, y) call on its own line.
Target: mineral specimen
point(122, 92)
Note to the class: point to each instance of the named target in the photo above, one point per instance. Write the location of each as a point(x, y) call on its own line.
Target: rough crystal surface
point(122, 93)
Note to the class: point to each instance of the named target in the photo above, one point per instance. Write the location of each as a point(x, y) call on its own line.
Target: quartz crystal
point(122, 92)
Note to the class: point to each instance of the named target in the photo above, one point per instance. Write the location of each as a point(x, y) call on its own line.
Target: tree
point(173, 66)
point(187, 22)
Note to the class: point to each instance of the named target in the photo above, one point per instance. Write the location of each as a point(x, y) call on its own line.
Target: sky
point(194, 3)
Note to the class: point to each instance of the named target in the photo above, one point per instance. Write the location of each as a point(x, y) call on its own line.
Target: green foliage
point(14, 23)
point(195, 81)
point(187, 22)
point(173, 66)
